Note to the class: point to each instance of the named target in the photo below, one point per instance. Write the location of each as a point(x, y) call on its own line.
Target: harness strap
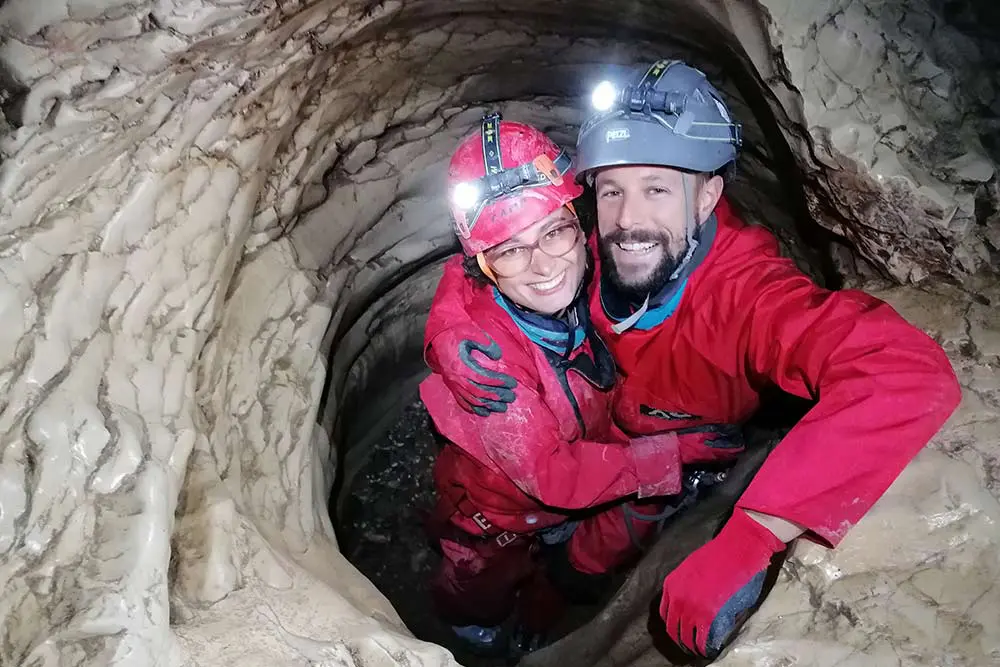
point(694, 482)
point(463, 506)
point(660, 518)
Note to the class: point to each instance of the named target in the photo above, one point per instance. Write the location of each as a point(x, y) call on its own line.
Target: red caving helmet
point(504, 179)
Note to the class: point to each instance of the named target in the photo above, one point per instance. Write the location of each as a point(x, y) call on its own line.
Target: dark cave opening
point(383, 438)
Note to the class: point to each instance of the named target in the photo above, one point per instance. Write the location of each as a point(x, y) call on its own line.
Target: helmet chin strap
point(485, 267)
point(690, 224)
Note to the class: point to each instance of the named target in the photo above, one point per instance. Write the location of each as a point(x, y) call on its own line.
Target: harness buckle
point(505, 538)
point(481, 521)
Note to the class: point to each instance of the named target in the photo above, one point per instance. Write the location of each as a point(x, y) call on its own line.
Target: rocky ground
point(384, 515)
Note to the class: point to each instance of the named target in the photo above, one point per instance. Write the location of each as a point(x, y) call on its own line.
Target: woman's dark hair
point(474, 272)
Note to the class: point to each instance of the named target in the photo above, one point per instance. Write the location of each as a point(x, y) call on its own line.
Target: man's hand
point(477, 388)
point(709, 596)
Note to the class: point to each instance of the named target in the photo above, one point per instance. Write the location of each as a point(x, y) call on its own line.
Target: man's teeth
point(636, 247)
point(549, 284)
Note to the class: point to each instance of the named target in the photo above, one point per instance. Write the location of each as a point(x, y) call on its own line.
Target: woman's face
point(533, 278)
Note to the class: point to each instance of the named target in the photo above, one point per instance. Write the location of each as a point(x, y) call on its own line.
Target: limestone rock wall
point(891, 128)
point(201, 202)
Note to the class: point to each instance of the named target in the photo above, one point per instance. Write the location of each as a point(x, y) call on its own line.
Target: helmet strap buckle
point(684, 122)
point(462, 226)
point(547, 168)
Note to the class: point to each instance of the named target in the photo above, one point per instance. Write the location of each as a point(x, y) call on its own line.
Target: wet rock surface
point(203, 205)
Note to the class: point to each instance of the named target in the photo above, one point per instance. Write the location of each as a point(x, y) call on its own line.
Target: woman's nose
point(542, 263)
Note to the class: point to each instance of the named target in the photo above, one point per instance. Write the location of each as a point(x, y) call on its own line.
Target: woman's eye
point(558, 231)
point(609, 193)
point(511, 252)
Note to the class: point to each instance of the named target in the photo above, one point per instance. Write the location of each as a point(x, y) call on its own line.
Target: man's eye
point(658, 191)
point(610, 193)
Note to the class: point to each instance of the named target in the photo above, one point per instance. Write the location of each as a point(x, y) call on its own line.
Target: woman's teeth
point(549, 284)
point(636, 247)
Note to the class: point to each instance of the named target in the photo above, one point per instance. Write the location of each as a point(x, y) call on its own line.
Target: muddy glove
point(455, 354)
point(710, 442)
point(710, 594)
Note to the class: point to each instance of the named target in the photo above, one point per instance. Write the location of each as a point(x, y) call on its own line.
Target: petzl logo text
point(618, 134)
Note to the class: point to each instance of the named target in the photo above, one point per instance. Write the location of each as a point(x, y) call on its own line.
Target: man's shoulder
point(737, 237)
point(744, 265)
point(743, 250)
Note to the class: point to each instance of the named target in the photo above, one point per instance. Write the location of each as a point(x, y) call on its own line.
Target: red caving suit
point(507, 475)
point(747, 318)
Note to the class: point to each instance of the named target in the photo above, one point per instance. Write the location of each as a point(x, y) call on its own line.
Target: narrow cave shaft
point(222, 227)
point(382, 534)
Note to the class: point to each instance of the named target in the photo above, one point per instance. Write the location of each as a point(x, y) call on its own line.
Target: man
point(701, 313)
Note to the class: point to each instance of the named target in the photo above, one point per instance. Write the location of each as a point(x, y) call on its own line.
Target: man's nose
point(628, 213)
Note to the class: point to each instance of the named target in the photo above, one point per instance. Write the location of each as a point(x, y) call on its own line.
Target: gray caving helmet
point(666, 114)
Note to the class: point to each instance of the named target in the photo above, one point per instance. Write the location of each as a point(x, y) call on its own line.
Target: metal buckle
point(505, 538)
point(481, 521)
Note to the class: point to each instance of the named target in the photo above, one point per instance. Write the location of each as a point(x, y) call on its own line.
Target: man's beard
point(636, 291)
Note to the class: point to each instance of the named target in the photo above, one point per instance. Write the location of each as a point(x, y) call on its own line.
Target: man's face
point(642, 218)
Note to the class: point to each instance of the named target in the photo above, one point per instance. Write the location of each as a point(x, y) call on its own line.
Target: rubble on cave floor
point(384, 514)
point(383, 532)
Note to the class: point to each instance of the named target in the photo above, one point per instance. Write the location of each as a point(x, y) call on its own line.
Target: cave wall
point(892, 101)
point(198, 201)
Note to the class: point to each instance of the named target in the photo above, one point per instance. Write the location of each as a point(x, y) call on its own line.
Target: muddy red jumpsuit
point(504, 477)
point(748, 318)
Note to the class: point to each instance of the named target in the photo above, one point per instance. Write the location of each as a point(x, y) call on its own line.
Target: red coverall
point(749, 317)
point(505, 476)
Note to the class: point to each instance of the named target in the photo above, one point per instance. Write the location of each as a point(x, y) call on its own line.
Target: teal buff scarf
point(552, 333)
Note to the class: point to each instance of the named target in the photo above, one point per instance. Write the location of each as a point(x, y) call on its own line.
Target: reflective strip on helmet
point(655, 72)
point(491, 144)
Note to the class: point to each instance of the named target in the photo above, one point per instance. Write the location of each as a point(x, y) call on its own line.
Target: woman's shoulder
point(461, 306)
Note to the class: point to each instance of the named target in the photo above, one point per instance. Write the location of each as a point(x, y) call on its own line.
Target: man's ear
point(708, 196)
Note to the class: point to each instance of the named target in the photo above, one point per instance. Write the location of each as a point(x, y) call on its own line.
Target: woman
point(509, 481)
